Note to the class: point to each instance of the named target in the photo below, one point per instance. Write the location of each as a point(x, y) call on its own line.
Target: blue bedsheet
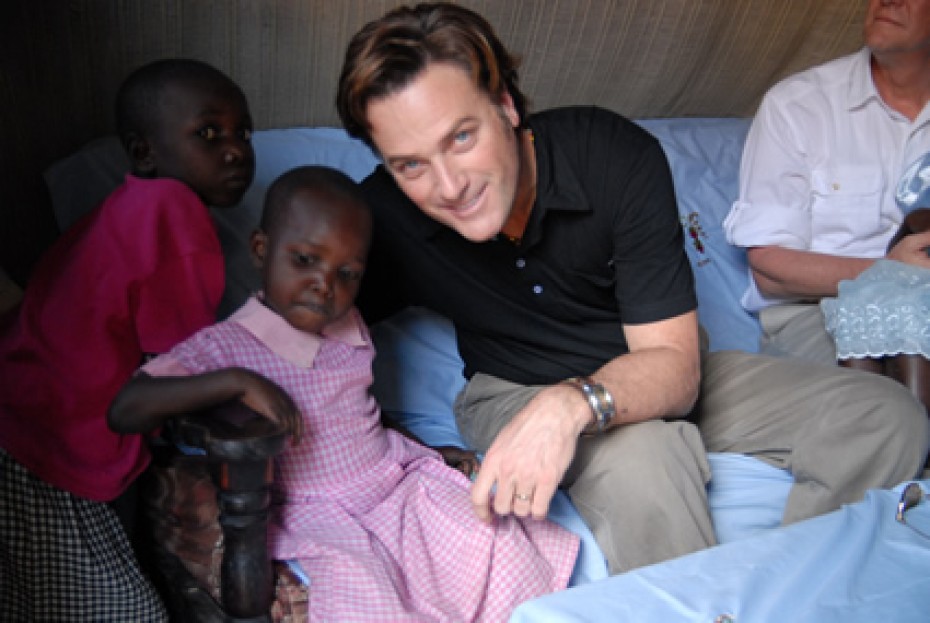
point(855, 565)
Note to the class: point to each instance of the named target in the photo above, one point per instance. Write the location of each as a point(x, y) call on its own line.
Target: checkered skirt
point(65, 558)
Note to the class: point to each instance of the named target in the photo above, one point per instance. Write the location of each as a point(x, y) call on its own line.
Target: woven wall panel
point(61, 62)
point(641, 57)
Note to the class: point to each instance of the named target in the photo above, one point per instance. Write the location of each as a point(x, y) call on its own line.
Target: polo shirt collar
point(298, 347)
point(557, 186)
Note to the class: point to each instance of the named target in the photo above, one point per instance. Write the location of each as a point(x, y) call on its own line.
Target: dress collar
point(298, 347)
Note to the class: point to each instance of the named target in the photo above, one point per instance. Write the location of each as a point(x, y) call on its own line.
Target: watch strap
point(599, 400)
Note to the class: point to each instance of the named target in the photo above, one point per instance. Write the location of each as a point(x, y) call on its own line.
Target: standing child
point(382, 526)
point(137, 275)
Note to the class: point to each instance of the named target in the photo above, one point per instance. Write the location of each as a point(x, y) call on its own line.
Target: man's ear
point(258, 246)
point(509, 109)
point(140, 154)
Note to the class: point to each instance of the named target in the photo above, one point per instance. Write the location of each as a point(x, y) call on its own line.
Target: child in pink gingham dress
point(381, 525)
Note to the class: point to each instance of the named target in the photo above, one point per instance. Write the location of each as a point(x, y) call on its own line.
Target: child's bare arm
point(466, 461)
point(145, 402)
point(917, 221)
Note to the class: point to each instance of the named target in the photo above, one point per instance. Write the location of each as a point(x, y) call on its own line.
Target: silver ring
point(523, 497)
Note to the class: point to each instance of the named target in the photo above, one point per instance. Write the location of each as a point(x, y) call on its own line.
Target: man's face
point(451, 149)
point(897, 26)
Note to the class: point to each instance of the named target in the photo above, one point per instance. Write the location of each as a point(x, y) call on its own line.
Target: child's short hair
point(137, 101)
point(321, 179)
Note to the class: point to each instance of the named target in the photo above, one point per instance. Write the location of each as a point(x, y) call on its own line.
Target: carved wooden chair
point(206, 516)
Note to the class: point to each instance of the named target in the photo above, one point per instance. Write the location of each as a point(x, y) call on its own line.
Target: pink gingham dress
point(384, 529)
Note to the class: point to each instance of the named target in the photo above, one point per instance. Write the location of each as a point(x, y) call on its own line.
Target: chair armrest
point(230, 431)
point(240, 446)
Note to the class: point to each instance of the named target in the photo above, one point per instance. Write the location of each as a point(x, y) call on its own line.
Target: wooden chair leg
point(243, 497)
point(239, 446)
point(866, 364)
point(914, 372)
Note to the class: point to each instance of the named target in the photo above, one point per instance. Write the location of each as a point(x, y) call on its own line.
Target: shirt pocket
point(846, 206)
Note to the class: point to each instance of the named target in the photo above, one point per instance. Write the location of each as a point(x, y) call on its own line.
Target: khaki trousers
point(796, 330)
point(641, 488)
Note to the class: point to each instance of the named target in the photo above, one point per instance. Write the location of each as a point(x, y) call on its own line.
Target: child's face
point(204, 140)
point(313, 260)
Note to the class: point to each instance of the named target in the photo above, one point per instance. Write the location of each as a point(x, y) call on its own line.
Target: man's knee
point(883, 407)
point(642, 490)
point(908, 423)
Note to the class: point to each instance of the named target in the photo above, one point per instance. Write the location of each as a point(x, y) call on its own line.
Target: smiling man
point(552, 241)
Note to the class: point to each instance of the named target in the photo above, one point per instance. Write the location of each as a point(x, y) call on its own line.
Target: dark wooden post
point(240, 446)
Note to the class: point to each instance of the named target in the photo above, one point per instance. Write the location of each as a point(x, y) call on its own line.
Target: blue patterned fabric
point(885, 311)
point(913, 189)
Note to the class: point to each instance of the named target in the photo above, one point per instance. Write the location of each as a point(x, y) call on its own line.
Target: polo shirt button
point(537, 289)
point(521, 263)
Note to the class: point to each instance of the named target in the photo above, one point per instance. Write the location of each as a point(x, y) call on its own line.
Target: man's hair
point(138, 105)
point(387, 54)
point(325, 182)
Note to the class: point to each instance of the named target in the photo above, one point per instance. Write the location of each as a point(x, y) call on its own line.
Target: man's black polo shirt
point(603, 247)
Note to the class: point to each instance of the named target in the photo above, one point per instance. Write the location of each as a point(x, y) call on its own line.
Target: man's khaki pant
point(641, 488)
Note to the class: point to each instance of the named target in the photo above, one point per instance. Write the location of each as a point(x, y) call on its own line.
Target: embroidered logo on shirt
point(692, 226)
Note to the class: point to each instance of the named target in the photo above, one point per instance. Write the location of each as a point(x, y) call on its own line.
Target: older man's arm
point(792, 274)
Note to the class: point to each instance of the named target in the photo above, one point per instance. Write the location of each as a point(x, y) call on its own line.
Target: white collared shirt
point(821, 165)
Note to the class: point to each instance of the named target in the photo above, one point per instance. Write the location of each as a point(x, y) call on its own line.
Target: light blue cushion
point(704, 156)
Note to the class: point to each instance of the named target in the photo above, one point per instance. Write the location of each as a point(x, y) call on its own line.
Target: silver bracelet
point(599, 399)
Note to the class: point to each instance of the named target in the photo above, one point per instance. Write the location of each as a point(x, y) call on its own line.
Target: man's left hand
point(523, 467)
